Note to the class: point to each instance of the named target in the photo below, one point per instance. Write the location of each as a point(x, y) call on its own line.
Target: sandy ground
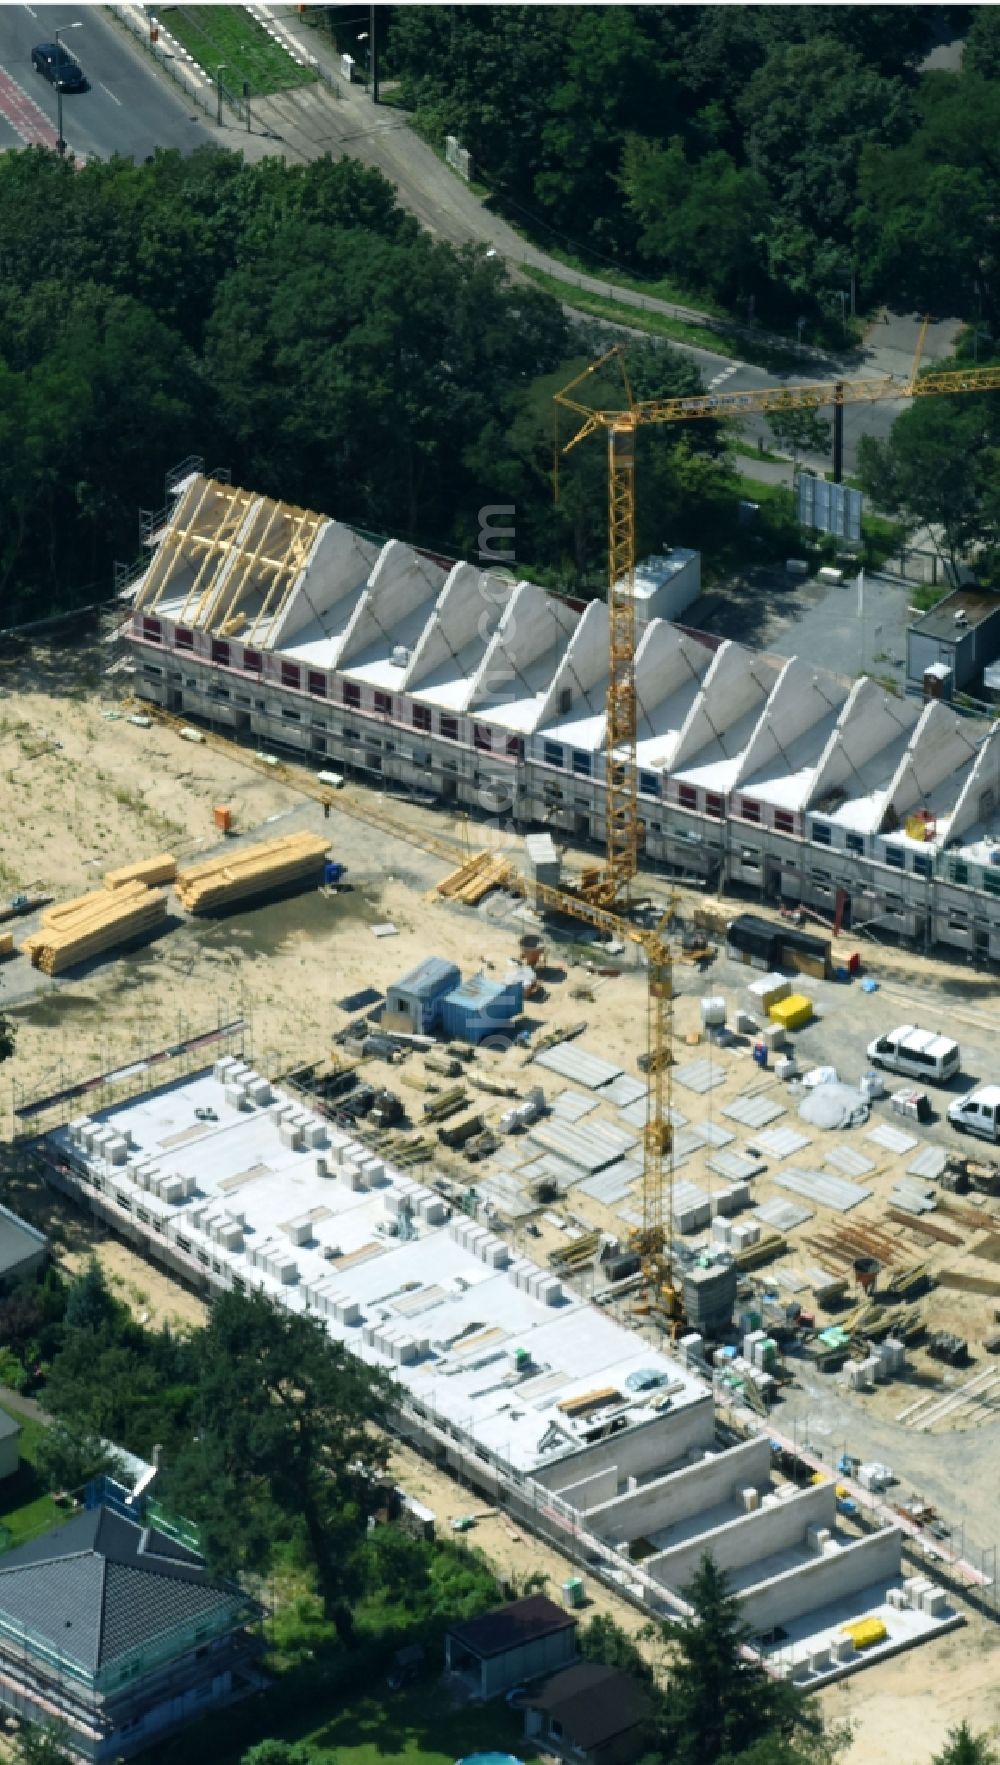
point(903, 1709)
point(511, 1551)
point(88, 791)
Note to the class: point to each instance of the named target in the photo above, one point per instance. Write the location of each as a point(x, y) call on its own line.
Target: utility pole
point(219, 71)
point(373, 54)
point(75, 26)
point(838, 433)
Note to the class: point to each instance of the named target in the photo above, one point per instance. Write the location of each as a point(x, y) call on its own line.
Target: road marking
point(726, 374)
point(110, 94)
point(23, 114)
point(31, 12)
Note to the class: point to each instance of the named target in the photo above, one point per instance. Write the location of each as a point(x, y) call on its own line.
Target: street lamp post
point(220, 69)
point(75, 26)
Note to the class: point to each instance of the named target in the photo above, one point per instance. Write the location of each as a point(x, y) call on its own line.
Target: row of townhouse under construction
point(801, 784)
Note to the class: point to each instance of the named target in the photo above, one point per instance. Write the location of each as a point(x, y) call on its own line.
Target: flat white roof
point(430, 1286)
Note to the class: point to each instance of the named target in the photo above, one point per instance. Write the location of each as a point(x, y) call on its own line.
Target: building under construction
point(800, 784)
point(534, 1396)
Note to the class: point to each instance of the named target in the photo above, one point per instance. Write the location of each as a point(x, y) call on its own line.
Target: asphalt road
point(313, 121)
point(129, 108)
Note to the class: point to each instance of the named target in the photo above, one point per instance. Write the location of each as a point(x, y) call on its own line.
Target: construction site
point(594, 1161)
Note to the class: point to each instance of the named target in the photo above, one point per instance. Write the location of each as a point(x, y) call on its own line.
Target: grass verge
point(227, 34)
point(26, 1508)
point(615, 312)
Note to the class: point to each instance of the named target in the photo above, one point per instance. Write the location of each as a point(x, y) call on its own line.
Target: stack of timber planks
point(161, 869)
point(474, 879)
point(256, 870)
point(74, 931)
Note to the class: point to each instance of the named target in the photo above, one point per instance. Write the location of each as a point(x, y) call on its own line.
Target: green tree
point(603, 1641)
point(283, 1752)
point(69, 1455)
point(40, 1744)
point(808, 113)
point(800, 431)
point(965, 1748)
point(981, 55)
point(89, 1305)
point(283, 1432)
point(940, 466)
point(718, 1703)
point(699, 220)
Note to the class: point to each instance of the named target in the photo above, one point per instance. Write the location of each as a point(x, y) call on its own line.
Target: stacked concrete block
point(817, 1537)
point(741, 1237)
point(399, 1199)
point(750, 1500)
point(915, 1587)
point(721, 1232)
point(896, 1599)
point(299, 1231)
point(731, 1200)
point(372, 1168)
point(332, 1303)
point(431, 1208)
point(768, 991)
point(273, 1259)
point(895, 1352)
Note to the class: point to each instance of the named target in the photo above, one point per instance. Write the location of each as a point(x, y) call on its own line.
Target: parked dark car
point(59, 67)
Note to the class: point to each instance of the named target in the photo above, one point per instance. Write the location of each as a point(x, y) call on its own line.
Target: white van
point(920, 1054)
point(978, 1113)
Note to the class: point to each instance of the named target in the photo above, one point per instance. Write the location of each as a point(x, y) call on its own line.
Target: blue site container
point(417, 997)
point(480, 1008)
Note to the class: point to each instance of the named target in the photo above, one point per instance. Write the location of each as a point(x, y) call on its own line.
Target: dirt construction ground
point(85, 790)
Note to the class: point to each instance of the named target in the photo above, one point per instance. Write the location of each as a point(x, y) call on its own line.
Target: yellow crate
point(865, 1632)
point(792, 1012)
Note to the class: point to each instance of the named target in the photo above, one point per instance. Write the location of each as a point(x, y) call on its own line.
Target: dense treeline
point(294, 324)
point(751, 153)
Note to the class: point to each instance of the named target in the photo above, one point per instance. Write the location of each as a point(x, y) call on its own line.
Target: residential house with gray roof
point(117, 1635)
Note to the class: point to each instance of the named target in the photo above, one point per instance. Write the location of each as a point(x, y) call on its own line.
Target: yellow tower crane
point(604, 897)
point(623, 831)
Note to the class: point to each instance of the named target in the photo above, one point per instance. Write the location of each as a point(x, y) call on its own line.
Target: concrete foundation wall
point(667, 1441)
point(823, 1581)
point(591, 1491)
point(745, 1541)
point(677, 1496)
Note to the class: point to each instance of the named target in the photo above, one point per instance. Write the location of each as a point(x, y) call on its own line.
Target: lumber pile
point(474, 879)
point(149, 871)
point(75, 931)
point(255, 870)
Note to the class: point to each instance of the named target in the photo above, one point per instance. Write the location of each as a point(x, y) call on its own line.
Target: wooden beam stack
point(474, 879)
point(254, 870)
point(150, 871)
point(75, 931)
